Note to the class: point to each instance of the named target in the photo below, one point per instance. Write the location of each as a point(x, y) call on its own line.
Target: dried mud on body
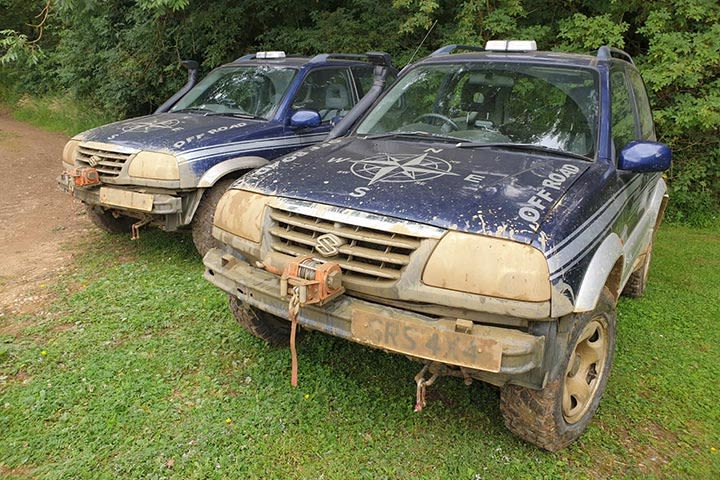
point(38, 222)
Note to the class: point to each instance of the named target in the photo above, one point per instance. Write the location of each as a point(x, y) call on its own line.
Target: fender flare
point(215, 173)
point(597, 273)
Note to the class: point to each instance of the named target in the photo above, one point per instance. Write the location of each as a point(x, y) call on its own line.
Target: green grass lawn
point(139, 371)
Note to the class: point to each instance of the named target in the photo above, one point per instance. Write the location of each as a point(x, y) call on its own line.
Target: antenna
point(423, 41)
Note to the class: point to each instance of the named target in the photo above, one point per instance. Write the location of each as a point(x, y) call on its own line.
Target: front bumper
point(166, 209)
point(493, 354)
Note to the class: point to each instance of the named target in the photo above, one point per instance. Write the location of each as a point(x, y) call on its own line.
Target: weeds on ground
point(139, 370)
point(57, 113)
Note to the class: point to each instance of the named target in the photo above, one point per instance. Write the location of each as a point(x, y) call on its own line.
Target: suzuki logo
point(94, 160)
point(327, 244)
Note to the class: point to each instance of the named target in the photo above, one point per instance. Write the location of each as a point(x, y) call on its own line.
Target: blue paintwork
point(471, 190)
point(562, 205)
point(203, 141)
point(643, 157)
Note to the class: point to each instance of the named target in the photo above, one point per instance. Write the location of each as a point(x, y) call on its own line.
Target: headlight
point(488, 266)
point(68, 155)
point(241, 213)
point(155, 165)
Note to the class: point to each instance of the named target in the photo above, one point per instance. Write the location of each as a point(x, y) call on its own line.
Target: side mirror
point(643, 156)
point(305, 119)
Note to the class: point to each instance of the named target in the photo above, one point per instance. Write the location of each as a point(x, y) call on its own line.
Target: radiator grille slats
point(107, 163)
point(365, 253)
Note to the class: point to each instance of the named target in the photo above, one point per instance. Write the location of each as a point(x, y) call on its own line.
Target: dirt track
point(38, 222)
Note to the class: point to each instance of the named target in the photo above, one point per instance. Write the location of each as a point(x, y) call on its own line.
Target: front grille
point(367, 254)
point(107, 162)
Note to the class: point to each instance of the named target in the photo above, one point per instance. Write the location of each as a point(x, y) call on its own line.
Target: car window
point(363, 78)
point(554, 107)
point(623, 116)
point(252, 90)
point(647, 129)
point(327, 91)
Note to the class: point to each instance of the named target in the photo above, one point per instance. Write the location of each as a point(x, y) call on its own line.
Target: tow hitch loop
point(135, 228)
point(422, 385)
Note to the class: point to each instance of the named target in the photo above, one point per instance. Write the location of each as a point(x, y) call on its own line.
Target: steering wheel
point(436, 116)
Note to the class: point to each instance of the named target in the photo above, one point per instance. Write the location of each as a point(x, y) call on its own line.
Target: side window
point(327, 91)
point(647, 130)
point(363, 78)
point(623, 118)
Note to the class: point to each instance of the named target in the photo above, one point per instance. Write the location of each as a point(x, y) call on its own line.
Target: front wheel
point(274, 330)
point(106, 220)
point(558, 414)
point(202, 223)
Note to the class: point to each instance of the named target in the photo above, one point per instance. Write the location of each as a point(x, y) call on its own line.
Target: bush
point(122, 56)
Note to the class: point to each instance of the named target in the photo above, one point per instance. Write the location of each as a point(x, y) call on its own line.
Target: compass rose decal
point(401, 167)
point(145, 126)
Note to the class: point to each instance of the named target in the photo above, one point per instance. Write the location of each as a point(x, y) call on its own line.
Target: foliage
point(156, 380)
point(122, 56)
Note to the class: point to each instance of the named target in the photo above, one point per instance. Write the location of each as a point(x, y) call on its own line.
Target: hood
point(491, 191)
point(175, 133)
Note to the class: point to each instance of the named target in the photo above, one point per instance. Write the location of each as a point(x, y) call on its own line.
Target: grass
point(55, 112)
point(139, 371)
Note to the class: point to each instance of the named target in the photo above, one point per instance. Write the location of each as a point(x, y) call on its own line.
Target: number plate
point(123, 198)
point(425, 341)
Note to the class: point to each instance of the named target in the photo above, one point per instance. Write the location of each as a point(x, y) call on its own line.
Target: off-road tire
point(635, 286)
point(542, 417)
point(107, 221)
point(202, 223)
point(274, 330)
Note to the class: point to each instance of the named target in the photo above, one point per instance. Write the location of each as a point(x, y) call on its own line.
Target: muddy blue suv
point(169, 169)
point(482, 218)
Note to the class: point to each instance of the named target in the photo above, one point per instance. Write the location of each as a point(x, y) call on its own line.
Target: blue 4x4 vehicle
point(170, 168)
point(483, 217)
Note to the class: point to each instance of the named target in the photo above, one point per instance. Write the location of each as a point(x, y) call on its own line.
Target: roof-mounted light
point(270, 55)
point(511, 45)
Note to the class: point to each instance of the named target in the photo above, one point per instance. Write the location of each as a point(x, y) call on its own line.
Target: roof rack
point(269, 55)
point(376, 58)
point(448, 49)
point(606, 53)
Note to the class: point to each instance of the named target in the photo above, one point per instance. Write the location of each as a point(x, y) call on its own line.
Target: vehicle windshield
point(492, 103)
point(252, 91)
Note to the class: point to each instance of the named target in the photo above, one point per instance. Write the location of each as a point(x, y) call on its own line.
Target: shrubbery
point(122, 55)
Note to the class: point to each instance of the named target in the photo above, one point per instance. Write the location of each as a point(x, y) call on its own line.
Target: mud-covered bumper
point(168, 208)
point(494, 354)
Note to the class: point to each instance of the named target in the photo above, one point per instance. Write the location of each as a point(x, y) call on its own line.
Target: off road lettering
point(544, 198)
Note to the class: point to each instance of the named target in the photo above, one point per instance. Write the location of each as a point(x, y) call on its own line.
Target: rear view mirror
point(305, 119)
point(644, 156)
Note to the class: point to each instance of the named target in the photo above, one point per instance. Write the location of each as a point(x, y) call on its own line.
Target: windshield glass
point(489, 103)
point(254, 91)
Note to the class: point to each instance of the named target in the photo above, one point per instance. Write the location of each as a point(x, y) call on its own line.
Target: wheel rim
point(585, 370)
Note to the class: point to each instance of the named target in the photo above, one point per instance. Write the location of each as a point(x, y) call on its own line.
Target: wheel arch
point(605, 269)
point(227, 167)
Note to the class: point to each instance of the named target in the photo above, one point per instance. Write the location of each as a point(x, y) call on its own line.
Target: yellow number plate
point(424, 341)
point(126, 199)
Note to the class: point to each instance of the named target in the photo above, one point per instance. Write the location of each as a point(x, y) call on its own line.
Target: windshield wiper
point(192, 110)
point(416, 135)
point(524, 147)
point(236, 114)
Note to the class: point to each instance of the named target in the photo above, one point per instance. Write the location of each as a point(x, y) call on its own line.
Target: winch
point(85, 176)
point(316, 282)
point(307, 282)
